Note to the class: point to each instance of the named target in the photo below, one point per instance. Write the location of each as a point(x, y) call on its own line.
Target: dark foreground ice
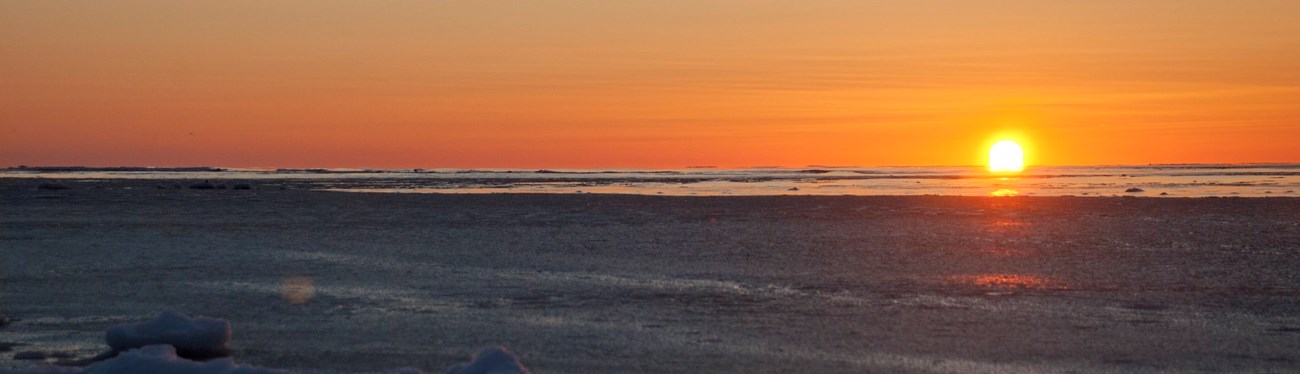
point(332, 282)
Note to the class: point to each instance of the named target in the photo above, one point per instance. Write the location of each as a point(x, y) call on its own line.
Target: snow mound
point(194, 338)
point(493, 360)
point(158, 359)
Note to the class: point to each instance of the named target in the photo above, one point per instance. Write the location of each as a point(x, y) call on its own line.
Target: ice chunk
point(194, 338)
point(158, 359)
point(161, 346)
point(493, 360)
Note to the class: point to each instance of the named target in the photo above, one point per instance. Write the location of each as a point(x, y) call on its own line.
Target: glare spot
point(297, 290)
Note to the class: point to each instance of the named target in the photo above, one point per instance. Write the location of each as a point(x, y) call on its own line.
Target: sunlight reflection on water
point(1005, 192)
point(1005, 281)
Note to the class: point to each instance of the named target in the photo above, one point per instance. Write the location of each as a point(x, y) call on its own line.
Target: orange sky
point(645, 83)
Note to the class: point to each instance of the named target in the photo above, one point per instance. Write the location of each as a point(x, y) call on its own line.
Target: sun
point(1006, 156)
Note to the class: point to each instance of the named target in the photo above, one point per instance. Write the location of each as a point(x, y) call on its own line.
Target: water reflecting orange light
point(1007, 223)
point(1005, 192)
point(1004, 280)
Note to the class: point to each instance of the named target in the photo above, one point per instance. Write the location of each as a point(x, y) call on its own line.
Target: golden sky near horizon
point(645, 83)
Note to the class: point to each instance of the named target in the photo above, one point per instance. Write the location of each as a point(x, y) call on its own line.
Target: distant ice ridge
point(176, 343)
point(1188, 180)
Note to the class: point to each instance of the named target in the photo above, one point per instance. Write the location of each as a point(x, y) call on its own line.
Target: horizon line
point(811, 166)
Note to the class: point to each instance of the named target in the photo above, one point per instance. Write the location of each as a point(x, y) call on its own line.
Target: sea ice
point(492, 360)
point(169, 343)
point(158, 359)
point(194, 338)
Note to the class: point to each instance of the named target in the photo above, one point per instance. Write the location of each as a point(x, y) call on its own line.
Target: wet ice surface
point(341, 282)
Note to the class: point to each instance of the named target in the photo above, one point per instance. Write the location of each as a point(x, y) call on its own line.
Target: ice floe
point(194, 338)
